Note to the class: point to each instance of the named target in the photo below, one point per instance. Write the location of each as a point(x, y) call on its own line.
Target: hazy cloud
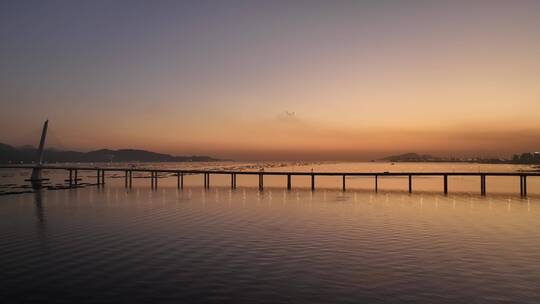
point(287, 116)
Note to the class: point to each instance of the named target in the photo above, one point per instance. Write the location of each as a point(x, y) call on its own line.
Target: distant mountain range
point(524, 158)
point(28, 154)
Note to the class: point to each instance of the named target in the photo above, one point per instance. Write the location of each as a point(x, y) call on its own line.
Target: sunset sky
point(288, 80)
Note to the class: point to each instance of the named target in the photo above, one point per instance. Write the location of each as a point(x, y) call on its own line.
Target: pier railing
point(180, 173)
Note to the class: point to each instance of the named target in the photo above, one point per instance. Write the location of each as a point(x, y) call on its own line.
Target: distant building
point(527, 158)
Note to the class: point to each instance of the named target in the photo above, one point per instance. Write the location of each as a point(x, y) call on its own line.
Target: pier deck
point(180, 173)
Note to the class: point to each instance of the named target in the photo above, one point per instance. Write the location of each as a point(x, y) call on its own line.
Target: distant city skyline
point(273, 80)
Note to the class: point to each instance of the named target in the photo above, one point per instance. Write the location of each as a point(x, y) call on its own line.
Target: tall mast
point(42, 143)
point(36, 171)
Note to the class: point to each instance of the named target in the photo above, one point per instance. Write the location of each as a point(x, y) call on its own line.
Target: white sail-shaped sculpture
point(36, 171)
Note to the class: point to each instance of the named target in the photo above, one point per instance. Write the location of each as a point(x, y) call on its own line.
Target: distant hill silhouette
point(27, 154)
point(525, 158)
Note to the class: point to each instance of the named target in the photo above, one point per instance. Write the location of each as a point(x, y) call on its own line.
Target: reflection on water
point(116, 245)
point(41, 225)
point(40, 213)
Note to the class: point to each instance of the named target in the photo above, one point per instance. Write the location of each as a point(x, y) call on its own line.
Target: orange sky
point(364, 80)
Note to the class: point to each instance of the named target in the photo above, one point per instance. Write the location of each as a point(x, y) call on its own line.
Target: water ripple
point(195, 246)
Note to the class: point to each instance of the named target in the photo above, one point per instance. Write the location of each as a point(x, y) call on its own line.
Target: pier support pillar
point(343, 183)
point(312, 182)
point(288, 182)
point(126, 178)
point(376, 183)
point(232, 180)
point(482, 185)
point(523, 185)
point(155, 179)
point(445, 182)
point(261, 182)
point(410, 183)
point(130, 178)
point(98, 173)
point(179, 180)
point(103, 177)
point(182, 180)
point(70, 177)
point(76, 180)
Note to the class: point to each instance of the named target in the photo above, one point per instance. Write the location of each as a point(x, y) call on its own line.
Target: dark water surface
point(115, 245)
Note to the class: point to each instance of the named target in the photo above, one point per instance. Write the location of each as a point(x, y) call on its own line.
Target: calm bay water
point(212, 246)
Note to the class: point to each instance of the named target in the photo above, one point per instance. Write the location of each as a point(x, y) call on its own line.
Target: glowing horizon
point(283, 80)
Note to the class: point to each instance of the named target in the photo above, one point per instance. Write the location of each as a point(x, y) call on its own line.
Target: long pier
point(180, 173)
